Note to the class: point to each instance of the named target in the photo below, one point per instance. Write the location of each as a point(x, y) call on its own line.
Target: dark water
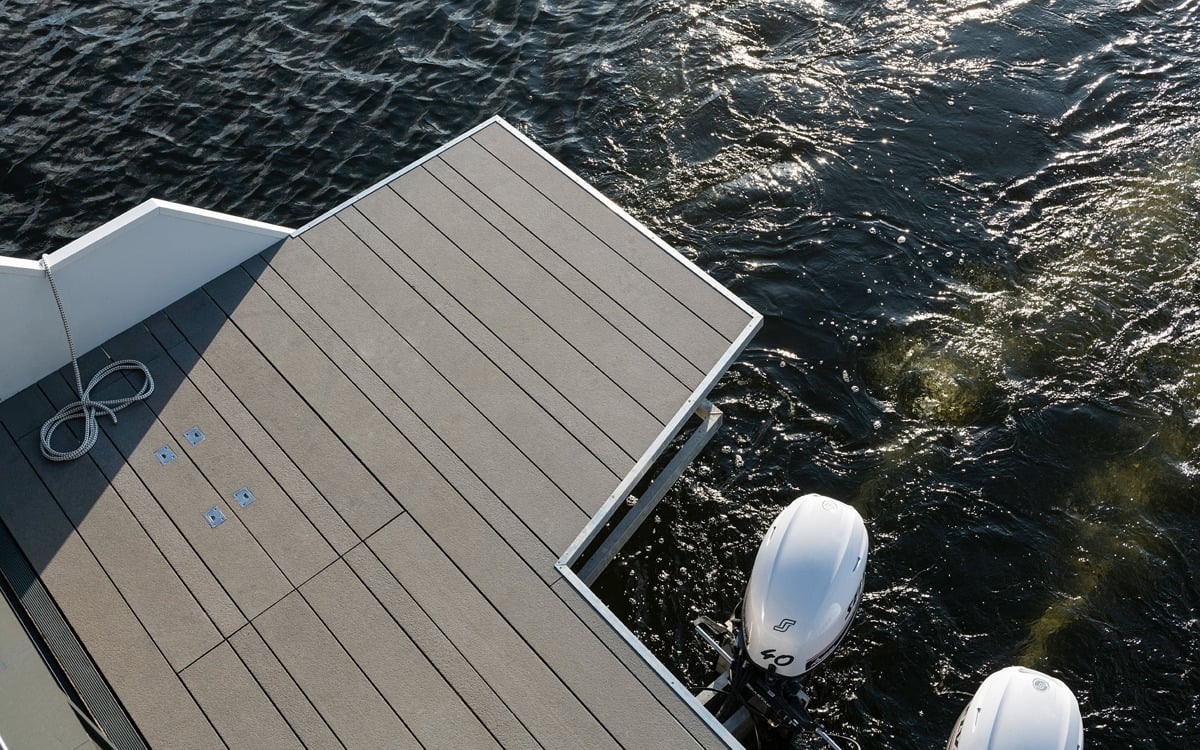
point(972, 228)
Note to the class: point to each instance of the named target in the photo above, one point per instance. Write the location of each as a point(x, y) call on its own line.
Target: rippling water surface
point(972, 227)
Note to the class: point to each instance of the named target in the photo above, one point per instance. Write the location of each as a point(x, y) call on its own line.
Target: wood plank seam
point(499, 339)
point(262, 687)
point(295, 682)
point(471, 402)
point(383, 383)
point(251, 629)
point(121, 594)
point(295, 588)
point(588, 229)
point(299, 395)
point(104, 442)
point(383, 695)
point(549, 248)
point(299, 469)
point(550, 325)
point(423, 650)
point(500, 614)
point(516, 447)
point(230, 515)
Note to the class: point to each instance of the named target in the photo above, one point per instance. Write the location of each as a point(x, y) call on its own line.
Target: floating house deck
point(348, 515)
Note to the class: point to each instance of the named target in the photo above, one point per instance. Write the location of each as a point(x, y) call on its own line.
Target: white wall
point(112, 278)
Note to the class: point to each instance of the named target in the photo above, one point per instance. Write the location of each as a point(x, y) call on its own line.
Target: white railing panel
point(113, 277)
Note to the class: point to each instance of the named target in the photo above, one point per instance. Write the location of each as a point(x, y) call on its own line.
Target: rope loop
point(85, 408)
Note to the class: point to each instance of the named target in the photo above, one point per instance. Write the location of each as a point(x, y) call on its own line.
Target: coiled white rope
point(85, 408)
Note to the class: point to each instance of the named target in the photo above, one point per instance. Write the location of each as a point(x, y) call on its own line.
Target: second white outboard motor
point(1019, 709)
point(804, 589)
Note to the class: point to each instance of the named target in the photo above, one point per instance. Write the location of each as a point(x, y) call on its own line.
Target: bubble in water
point(902, 239)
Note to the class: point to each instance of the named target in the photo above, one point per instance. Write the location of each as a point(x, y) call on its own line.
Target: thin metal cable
point(85, 408)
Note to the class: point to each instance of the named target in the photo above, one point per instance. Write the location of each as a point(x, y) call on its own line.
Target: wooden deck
point(428, 393)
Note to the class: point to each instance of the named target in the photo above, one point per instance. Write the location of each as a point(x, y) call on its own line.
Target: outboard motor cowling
point(1019, 709)
point(805, 586)
point(803, 592)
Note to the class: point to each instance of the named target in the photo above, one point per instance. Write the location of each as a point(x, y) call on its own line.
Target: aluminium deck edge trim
point(668, 433)
point(597, 522)
point(401, 172)
point(610, 205)
point(651, 660)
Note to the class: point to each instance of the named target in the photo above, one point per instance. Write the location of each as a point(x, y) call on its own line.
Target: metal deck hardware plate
point(165, 455)
point(214, 516)
point(244, 496)
point(194, 436)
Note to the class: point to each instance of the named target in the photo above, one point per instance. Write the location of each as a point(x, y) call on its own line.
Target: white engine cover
point(805, 585)
point(1019, 709)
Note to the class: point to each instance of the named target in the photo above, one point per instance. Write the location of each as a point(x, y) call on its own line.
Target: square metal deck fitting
point(244, 496)
point(214, 516)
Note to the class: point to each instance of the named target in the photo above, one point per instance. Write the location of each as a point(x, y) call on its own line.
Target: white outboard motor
point(804, 589)
point(1019, 709)
point(806, 584)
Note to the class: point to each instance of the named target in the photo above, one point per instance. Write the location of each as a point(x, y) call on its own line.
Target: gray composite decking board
point(596, 366)
point(592, 254)
point(427, 495)
point(21, 413)
point(330, 678)
point(624, 652)
point(286, 695)
point(483, 701)
point(449, 383)
point(586, 289)
point(594, 338)
point(283, 469)
point(526, 492)
point(544, 622)
point(237, 559)
point(235, 703)
point(483, 329)
point(705, 302)
point(434, 713)
point(177, 550)
point(530, 688)
point(357, 496)
point(271, 469)
point(285, 533)
point(150, 586)
point(152, 693)
point(557, 528)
